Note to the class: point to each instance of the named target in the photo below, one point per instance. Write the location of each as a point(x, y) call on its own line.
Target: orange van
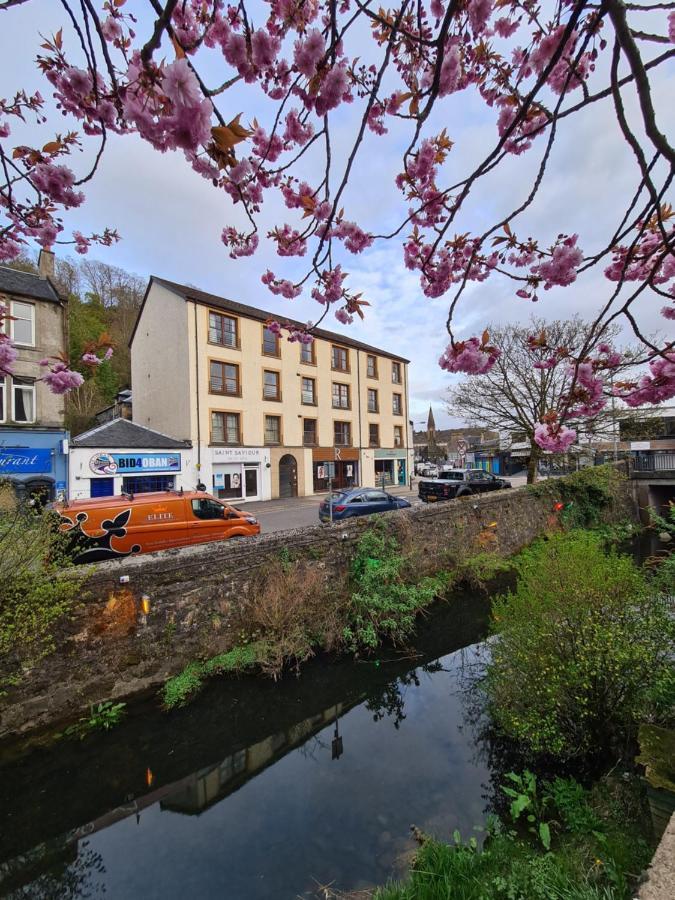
point(114, 527)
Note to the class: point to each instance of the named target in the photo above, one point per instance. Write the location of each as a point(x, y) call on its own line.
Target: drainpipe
point(407, 423)
point(358, 389)
point(199, 418)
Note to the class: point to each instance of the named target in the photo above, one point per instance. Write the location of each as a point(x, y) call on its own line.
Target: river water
point(259, 790)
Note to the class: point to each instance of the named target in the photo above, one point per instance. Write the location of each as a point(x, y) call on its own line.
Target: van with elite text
point(114, 527)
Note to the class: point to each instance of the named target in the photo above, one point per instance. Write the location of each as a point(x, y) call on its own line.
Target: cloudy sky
point(170, 219)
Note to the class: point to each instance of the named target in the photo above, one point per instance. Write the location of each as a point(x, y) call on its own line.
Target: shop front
point(122, 457)
point(240, 473)
point(342, 462)
point(35, 462)
point(390, 468)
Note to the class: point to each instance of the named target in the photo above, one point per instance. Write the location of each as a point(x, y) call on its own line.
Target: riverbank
point(143, 620)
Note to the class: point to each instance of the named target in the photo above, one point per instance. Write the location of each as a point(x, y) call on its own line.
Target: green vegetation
point(576, 845)
point(36, 593)
point(382, 606)
point(479, 570)
point(178, 690)
point(586, 494)
point(293, 612)
point(575, 639)
point(102, 717)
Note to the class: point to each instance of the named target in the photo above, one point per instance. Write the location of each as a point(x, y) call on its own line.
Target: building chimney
point(46, 264)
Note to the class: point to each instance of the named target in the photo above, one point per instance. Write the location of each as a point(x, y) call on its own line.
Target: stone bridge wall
point(142, 619)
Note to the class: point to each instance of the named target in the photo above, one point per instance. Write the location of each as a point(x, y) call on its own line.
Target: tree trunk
point(533, 464)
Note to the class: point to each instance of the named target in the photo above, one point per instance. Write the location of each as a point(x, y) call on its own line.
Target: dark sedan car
point(359, 502)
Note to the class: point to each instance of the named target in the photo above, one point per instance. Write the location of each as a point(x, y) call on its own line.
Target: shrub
point(36, 593)
point(583, 649)
point(293, 609)
point(586, 494)
point(383, 606)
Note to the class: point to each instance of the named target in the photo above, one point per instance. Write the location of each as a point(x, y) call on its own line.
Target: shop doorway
point(288, 476)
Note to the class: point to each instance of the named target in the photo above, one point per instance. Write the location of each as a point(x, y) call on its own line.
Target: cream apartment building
point(267, 418)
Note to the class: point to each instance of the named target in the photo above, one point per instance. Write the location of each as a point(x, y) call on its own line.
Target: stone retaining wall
point(142, 619)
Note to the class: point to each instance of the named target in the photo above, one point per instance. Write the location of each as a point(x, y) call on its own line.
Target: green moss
point(179, 689)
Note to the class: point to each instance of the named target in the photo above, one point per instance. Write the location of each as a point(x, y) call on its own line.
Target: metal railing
point(654, 461)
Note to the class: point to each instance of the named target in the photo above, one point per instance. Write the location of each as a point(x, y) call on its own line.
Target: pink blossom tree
point(537, 68)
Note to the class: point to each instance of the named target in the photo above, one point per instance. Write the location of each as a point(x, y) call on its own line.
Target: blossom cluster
point(297, 54)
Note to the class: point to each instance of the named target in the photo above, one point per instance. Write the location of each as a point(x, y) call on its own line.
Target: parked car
point(114, 527)
point(453, 483)
point(427, 470)
point(359, 502)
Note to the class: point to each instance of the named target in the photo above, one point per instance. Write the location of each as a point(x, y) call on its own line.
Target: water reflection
point(317, 781)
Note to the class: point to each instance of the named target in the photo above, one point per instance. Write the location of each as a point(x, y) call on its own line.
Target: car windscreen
point(336, 497)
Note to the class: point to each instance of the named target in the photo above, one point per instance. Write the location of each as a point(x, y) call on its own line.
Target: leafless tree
point(512, 397)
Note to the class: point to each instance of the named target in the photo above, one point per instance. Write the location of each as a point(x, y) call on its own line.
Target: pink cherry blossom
point(469, 357)
point(505, 27)
point(555, 438)
point(671, 27)
point(479, 13)
point(561, 268)
point(239, 244)
point(180, 84)
point(309, 52)
point(656, 387)
point(60, 379)
point(57, 182)
point(264, 48)
point(111, 28)
point(281, 286)
point(296, 132)
point(333, 88)
point(8, 354)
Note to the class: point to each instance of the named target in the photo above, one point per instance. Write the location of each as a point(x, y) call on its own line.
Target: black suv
point(459, 483)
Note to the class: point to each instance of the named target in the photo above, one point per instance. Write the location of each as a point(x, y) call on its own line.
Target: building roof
point(447, 435)
point(25, 284)
point(252, 312)
point(121, 434)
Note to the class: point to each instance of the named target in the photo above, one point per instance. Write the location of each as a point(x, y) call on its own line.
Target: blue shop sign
point(134, 463)
point(25, 461)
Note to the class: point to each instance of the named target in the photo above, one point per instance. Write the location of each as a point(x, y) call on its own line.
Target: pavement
point(294, 512)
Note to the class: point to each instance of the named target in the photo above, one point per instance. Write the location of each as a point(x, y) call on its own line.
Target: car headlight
point(251, 520)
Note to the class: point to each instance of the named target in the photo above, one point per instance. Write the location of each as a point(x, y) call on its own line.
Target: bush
point(586, 494)
point(383, 606)
point(36, 593)
point(583, 651)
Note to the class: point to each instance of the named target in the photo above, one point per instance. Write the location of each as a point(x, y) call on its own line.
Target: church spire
point(431, 424)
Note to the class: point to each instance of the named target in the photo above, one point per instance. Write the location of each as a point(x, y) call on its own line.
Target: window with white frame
point(21, 326)
point(23, 399)
point(3, 401)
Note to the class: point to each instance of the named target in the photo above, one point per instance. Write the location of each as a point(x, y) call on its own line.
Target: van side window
point(203, 508)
